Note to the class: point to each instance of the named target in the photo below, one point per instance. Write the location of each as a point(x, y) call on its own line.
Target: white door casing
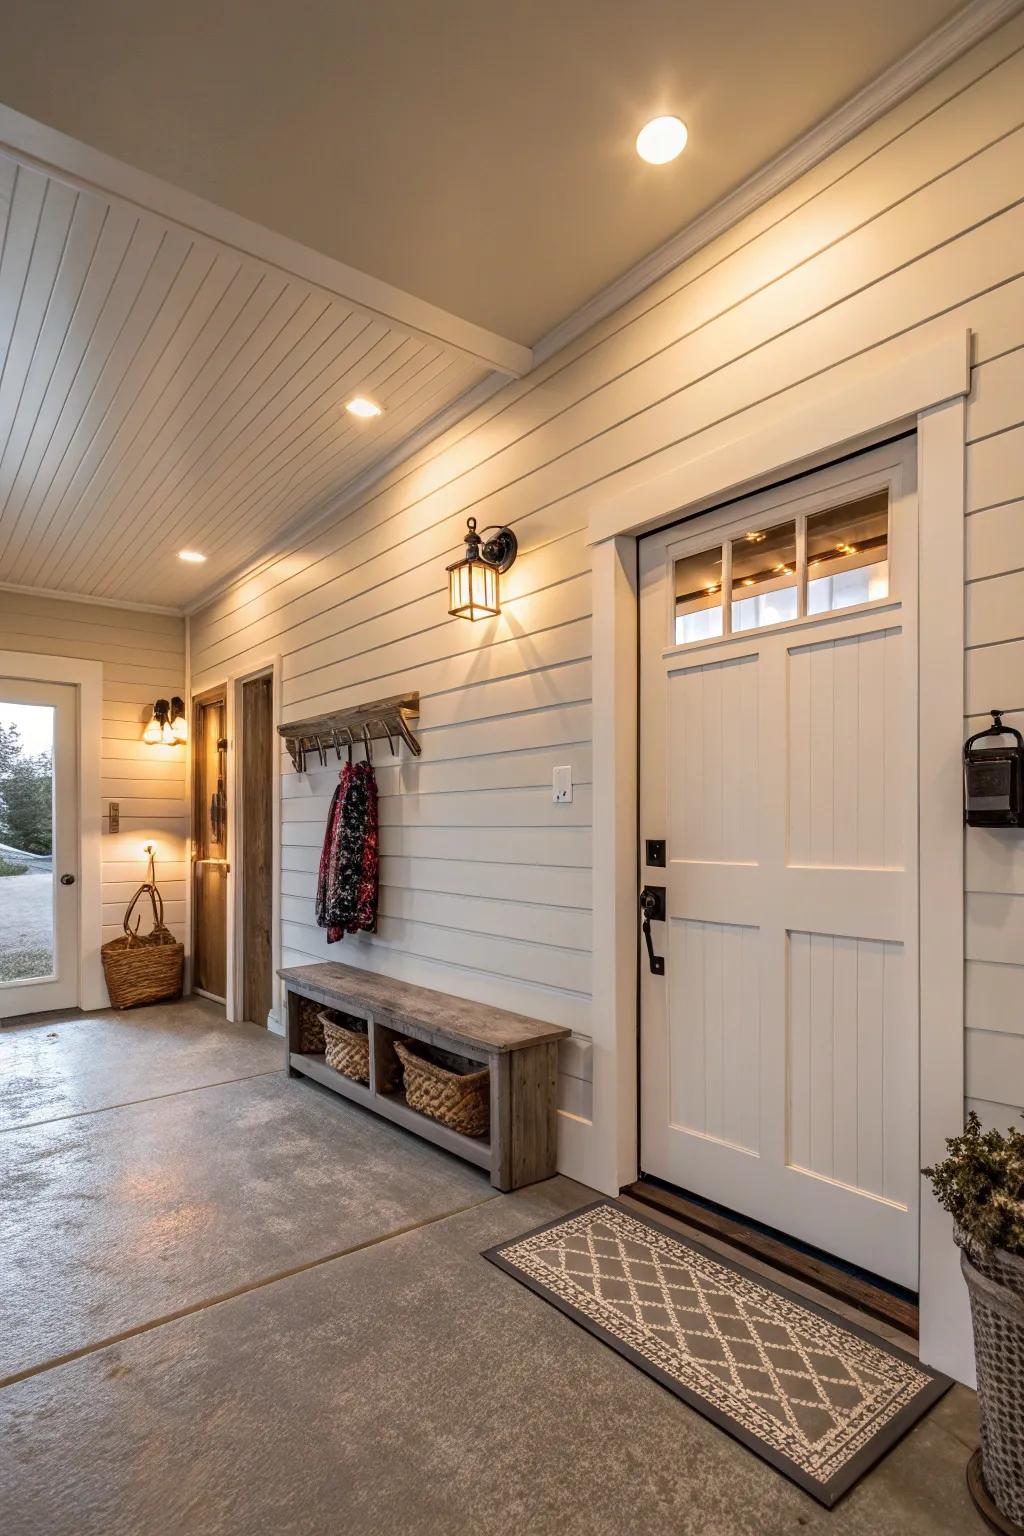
point(779, 1070)
point(59, 987)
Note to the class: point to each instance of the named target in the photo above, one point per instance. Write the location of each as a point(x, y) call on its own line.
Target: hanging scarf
point(346, 894)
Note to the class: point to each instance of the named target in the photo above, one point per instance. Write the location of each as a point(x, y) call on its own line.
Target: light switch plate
point(561, 785)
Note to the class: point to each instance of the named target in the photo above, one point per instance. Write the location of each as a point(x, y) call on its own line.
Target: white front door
point(778, 728)
point(38, 847)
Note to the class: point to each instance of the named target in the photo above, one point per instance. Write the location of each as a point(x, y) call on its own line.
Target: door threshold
point(888, 1303)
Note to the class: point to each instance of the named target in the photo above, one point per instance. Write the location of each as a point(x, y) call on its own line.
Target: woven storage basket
point(143, 968)
point(347, 1050)
point(454, 1095)
point(995, 1282)
point(311, 1031)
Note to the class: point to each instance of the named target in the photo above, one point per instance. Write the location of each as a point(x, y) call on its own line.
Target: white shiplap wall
point(916, 223)
point(143, 656)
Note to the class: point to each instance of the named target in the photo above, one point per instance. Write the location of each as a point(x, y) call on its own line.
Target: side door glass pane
point(26, 842)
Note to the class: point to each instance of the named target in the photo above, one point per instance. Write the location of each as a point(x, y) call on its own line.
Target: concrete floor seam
point(241, 1290)
point(150, 1098)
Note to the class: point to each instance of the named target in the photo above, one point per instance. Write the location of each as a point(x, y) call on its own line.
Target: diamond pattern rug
point(819, 1398)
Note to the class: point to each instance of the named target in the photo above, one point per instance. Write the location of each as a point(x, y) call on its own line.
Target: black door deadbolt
point(652, 907)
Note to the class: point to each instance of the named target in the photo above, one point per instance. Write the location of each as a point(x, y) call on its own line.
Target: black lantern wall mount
point(474, 582)
point(167, 726)
point(994, 777)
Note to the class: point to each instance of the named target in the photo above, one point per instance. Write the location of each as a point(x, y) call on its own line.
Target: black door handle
point(67, 879)
point(652, 906)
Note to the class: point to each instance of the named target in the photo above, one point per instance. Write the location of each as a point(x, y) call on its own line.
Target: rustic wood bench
point(519, 1053)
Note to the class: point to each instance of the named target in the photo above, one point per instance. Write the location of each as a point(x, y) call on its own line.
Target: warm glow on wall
point(167, 726)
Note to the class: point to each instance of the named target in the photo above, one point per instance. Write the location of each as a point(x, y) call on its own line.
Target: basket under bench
point(521, 1055)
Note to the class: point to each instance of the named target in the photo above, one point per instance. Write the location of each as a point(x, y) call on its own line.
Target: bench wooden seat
point(520, 1054)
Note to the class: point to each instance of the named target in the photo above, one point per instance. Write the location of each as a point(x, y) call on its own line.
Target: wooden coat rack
point(343, 729)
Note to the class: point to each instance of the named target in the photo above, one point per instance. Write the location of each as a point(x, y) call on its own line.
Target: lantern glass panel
point(473, 590)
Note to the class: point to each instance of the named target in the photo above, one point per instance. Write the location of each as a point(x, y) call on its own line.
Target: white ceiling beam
point(77, 164)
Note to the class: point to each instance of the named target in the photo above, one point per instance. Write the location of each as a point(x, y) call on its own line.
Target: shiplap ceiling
point(159, 391)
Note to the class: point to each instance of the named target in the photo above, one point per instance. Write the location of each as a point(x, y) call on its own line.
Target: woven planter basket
point(347, 1050)
point(457, 1098)
point(143, 968)
point(995, 1282)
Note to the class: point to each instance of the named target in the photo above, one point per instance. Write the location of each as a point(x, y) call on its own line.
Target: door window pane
point(699, 596)
point(764, 577)
point(26, 841)
point(848, 554)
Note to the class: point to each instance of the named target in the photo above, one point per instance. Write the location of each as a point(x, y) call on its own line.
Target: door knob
point(67, 879)
point(652, 906)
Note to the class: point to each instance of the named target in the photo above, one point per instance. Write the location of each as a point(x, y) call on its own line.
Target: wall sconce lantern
point(474, 590)
point(167, 726)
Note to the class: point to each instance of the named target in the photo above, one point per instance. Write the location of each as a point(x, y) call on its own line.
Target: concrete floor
point(233, 1302)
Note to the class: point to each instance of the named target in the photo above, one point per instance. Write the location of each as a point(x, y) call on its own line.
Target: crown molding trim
point(356, 491)
point(899, 81)
point(55, 594)
point(79, 165)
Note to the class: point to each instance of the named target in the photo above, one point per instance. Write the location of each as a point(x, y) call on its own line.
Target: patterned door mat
point(819, 1398)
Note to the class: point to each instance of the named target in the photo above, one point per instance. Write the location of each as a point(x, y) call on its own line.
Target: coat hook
point(300, 757)
point(366, 744)
point(336, 745)
point(348, 732)
point(321, 751)
point(392, 743)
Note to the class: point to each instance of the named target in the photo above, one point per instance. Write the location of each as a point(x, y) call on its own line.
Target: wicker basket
point(311, 1031)
point(347, 1050)
point(445, 1088)
point(995, 1282)
point(144, 968)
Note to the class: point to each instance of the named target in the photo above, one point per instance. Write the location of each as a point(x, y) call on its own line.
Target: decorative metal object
point(994, 778)
point(474, 587)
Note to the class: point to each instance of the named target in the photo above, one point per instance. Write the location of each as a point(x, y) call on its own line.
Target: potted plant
point(981, 1184)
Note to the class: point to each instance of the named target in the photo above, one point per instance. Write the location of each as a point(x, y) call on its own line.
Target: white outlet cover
point(561, 785)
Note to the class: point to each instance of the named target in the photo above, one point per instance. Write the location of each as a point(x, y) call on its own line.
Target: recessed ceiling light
point(661, 140)
point(363, 408)
point(192, 556)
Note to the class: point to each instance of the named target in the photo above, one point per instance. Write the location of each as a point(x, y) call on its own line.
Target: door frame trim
point(907, 384)
point(87, 679)
point(232, 682)
point(236, 956)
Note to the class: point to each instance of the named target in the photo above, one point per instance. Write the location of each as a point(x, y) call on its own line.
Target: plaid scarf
point(346, 890)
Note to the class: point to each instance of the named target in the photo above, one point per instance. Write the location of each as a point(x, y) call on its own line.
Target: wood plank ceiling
point(160, 391)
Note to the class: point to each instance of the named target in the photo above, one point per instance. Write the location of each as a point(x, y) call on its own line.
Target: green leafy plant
point(981, 1183)
point(8, 867)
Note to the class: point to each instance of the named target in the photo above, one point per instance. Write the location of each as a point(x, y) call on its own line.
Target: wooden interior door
point(779, 1071)
point(210, 845)
point(256, 787)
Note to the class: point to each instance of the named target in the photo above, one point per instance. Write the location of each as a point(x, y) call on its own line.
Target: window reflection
point(848, 554)
point(699, 596)
point(764, 577)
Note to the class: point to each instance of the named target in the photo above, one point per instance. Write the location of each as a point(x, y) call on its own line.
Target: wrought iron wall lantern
point(167, 726)
point(994, 777)
point(474, 582)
